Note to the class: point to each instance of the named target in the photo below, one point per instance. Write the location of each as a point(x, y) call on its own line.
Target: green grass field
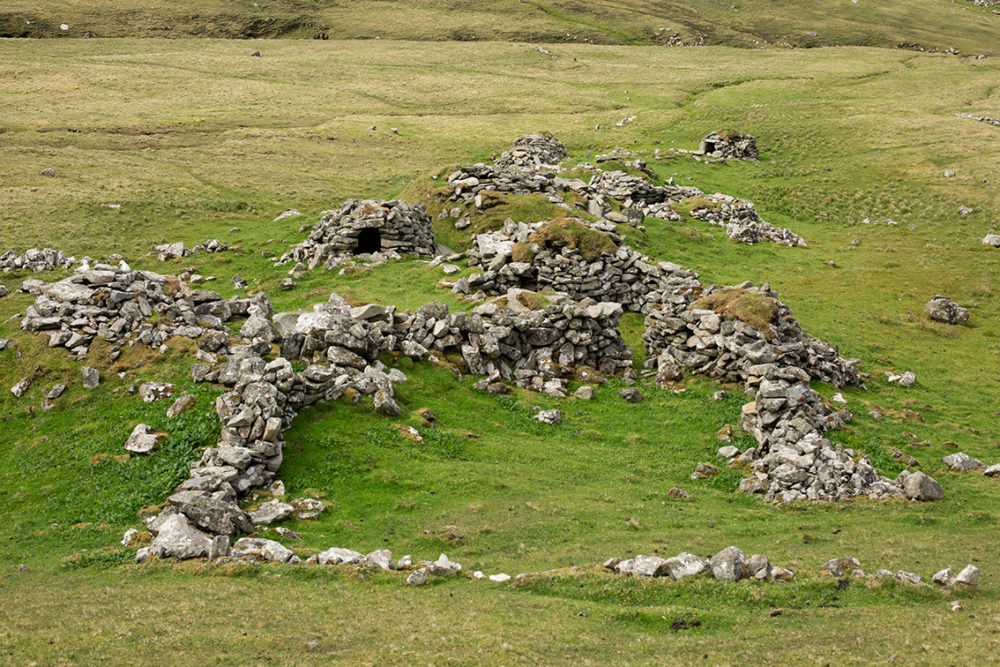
point(927, 24)
point(195, 137)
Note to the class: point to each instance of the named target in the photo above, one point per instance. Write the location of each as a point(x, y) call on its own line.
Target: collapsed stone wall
point(116, 304)
point(532, 167)
point(340, 344)
point(534, 152)
point(35, 260)
point(776, 361)
point(680, 334)
point(623, 276)
point(366, 226)
point(739, 217)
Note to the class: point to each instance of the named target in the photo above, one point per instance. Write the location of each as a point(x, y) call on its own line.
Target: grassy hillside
point(937, 24)
point(195, 137)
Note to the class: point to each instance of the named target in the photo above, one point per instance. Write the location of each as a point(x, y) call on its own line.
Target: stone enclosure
point(561, 286)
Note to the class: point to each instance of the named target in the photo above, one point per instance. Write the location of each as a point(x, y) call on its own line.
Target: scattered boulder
point(549, 416)
point(961, 462)
point(175, 537)
point(631, 394)
point(918, 486)
point(729, 565)
point(943, 309)
point(728, 452)
point(154, 391)
point(379, 560)
point(969, 576)
point(417, 577)
point(144, 439)
point(270, 512)
point(838, 567)
point(21, 387)
point(91, 377)
point(336, 556)
point(181, 405)
point(992, 240)
point(259, 550)
point(704, 471)
point(685, 565)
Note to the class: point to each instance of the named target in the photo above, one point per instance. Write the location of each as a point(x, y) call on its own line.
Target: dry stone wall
point(531, 347)
point(35, 260)
point(623, 275)
point(776, 361)
point(116, 304)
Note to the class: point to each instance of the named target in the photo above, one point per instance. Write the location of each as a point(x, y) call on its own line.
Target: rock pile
point(178, 249)
point(116, 305)
point(468, 183)
point(850, 566)
point(724, 332)
point(738, 216)
point(537, 346)
point(569, 256)
point(531, 167)
point(745, 334)
point(35, 260)
point(981, 119)
point(365, 227)
point(534, 152)
point(793, 461)
point(943, 309)
point(728, 565)
point(724, 144)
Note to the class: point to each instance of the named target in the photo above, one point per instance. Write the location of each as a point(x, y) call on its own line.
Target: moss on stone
point(751, 308)
point(576, 235)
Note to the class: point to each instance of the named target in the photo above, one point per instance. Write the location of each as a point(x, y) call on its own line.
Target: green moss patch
point(576, 235)
point(751, 308)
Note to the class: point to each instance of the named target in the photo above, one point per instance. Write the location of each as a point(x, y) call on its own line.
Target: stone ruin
point(116, 305)
point(531, 257)
point(365, 227)
point(529, 173)
point(744, 334)
point(738, 216)
point(35, 260)
point(536, 341)
point(536, 348)
point(534, 152)
point(725, 144)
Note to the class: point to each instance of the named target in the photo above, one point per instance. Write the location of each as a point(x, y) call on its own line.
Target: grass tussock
point(571, 233)
point(751, 308)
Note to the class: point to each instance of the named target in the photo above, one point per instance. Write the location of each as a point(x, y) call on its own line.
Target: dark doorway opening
point(369, 240)
point(709, 146)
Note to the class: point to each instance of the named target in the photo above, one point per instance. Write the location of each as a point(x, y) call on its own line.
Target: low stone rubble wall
point(116, 304)
point(532, 347)
point(623, 276)
point(776, 361)
point(35, 260)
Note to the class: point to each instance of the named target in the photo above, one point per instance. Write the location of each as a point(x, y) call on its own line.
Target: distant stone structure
point(725, 144)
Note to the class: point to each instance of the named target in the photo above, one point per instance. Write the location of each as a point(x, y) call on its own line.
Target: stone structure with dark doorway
point(366, 227)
